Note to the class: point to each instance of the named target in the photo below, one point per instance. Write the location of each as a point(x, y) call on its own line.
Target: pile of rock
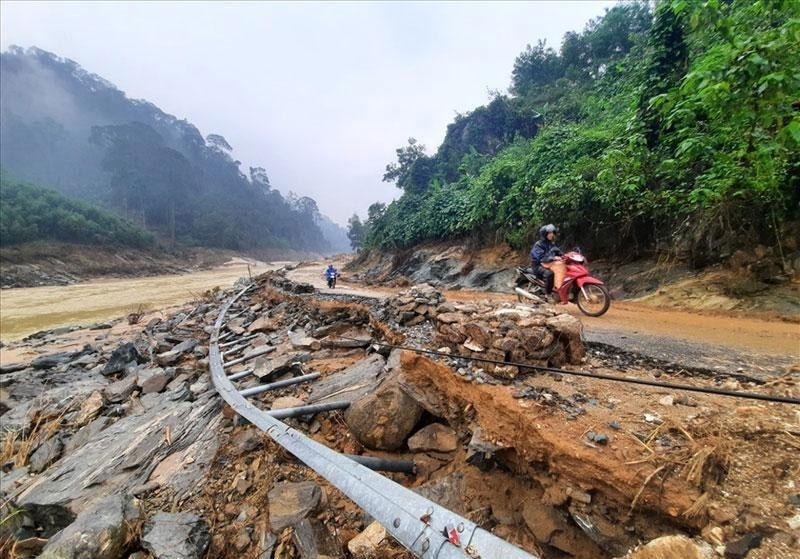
point(505, 332)
point(415, 305)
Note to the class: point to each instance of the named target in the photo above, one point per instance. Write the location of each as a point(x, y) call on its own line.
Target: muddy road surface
point(723, 343)
point(31, 309)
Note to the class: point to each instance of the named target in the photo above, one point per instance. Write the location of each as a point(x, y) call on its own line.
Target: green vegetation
point(665, 130)
point(32, 213)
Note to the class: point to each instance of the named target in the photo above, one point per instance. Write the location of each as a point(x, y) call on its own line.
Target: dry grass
point(17, 446)
point(698, 507)
point(694, 467)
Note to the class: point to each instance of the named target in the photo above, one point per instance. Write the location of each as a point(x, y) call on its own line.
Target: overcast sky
point(320, 94)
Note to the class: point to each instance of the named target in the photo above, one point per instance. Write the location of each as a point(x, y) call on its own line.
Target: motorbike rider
point(330, 274)
point(546, 261)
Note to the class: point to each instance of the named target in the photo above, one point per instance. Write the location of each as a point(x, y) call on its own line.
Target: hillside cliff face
point(71, 130)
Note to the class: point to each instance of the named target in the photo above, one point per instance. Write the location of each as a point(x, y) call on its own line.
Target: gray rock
point(86, 433)
point(383, 419)
point(358, 379)
point(199, 387)
point(300, 341)
point(739, 549)
point(153, 380)
point(47, 453)
point(265, 367)
point(289, 503)
point(176, 536)
point(313, 540)
point(12, 368)
point(173, 355)
point(248, 440)
point(101, 531)
point(11, 480)
point(480, 451)
point(124, 454)
point(448, 491)
point(53, 360)
point(121, 357)
point(31, 521)
point(119, 391)
point(179, 392)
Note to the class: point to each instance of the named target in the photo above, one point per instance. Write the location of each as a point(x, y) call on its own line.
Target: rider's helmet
point(547, 229)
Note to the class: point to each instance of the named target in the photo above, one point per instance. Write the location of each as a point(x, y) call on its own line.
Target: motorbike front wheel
point(593, 299)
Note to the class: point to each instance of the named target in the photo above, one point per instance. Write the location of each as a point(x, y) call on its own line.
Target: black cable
point(686, 387)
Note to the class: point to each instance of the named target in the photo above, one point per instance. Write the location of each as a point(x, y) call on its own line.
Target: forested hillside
point(31, 213)
point(673, 129)
point(65, 128)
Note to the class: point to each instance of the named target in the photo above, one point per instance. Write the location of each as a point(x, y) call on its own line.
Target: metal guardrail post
point(247, 392)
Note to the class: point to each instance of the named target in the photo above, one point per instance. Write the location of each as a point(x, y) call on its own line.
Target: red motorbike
point(589, 293)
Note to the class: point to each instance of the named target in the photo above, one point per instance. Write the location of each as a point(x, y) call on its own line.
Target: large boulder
point(383, 419)
point(101, 531)
point(182, 535)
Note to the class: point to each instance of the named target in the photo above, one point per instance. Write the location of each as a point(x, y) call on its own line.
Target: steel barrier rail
point(422, 526)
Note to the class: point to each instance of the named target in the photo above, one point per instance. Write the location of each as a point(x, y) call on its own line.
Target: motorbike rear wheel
point(593, 299)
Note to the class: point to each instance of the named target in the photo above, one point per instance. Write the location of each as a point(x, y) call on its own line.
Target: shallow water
point(26, 310)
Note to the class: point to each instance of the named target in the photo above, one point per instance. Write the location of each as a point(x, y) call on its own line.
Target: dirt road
point(751, 346)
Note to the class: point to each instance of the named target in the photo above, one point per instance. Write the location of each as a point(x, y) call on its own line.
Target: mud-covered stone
point(289, 503)
point(672, 547)
point(101, 531)
point(435, 437)
point(262, 324)
point(568, 330)
point(383, 419)
point(91, 408)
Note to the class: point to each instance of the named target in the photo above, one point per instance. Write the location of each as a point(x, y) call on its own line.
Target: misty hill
point(30, 213)
point(65, 128)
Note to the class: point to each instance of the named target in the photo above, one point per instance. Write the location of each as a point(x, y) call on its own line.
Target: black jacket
point(544, 251)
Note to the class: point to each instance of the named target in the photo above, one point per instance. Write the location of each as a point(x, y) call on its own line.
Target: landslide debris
point(561, 466)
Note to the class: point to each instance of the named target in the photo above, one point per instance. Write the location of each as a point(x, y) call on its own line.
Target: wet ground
point(725, 343)
point(24, 311)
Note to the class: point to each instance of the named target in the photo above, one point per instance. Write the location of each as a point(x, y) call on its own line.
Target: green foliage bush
point(647, 131)
point(32, 213)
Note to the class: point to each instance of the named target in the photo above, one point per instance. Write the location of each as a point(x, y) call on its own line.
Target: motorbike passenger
point(330, 275)
point(546, 261)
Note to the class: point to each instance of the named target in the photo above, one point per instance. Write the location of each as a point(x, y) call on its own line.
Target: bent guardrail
point(428, 530)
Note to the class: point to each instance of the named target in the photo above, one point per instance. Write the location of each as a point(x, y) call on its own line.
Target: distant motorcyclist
point(546, 261)
point(330, 275)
